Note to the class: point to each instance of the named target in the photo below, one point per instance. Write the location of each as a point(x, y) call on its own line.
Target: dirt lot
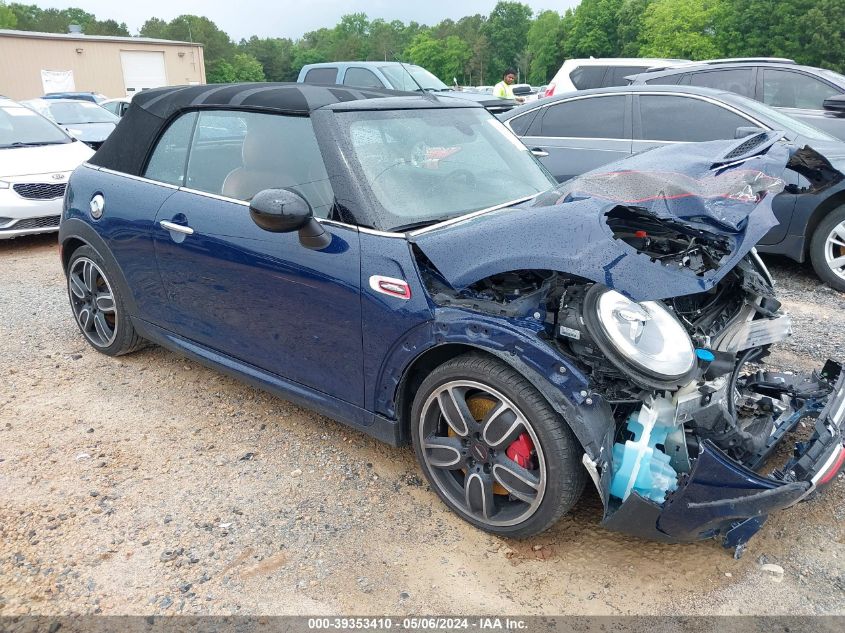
point(149, 484)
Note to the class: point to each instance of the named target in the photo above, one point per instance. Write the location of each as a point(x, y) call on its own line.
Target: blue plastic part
point(705, 355)
point(643, 462)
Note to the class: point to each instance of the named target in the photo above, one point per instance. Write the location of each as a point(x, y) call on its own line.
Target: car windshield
point(399, 78)
point(76, 112)
point(783, 121)
point(20, 126)
point(425, 166)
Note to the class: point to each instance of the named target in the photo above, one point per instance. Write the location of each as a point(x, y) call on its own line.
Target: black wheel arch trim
point(73, 229)
point(590, 419)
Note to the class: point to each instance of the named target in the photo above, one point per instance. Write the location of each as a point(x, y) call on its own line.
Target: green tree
point(680, 28)
point(823, 34)
point(351, 37)
point(241, 67)
point(386, 40)
point(427, 52)
point(106, 27)
point(155, 28)
point(26, 15)
point(456, 56)
point(507, 30)
point(471, 30)
point(629, 27)
point(543, 45)
point(809, 31)
point(247, 68)
point(594, 29)
point(8, 19)
point(275, 55)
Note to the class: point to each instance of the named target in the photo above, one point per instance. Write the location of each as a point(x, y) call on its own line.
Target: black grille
point(746, 146)
point(39, 190)
point(50, 222)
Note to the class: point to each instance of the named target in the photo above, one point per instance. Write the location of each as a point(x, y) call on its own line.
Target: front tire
point(97, 305)
point(493, 448)
point(827, 249)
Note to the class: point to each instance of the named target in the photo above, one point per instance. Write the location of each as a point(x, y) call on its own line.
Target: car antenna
point(425, 92)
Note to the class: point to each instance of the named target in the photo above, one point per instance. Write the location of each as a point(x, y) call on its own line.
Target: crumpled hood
point(565, 229)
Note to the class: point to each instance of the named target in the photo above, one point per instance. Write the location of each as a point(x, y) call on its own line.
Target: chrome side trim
point(471, 215)
point(214, 196)
point(138, 178)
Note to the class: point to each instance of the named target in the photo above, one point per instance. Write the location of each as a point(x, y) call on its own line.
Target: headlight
point(4, 184)
point(644, 340)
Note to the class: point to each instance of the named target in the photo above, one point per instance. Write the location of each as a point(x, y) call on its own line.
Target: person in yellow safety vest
point(503, 89)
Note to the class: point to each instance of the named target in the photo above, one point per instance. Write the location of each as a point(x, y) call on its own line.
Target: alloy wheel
point(482, 453)
point(92, 300)
point(834, 250)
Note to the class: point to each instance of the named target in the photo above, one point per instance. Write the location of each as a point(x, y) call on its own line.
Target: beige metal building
point(34, 63)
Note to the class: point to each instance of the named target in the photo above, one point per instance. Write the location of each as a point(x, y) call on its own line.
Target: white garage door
point(142, 69)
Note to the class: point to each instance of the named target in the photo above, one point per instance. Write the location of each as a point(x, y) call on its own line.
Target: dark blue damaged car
point(403, 264)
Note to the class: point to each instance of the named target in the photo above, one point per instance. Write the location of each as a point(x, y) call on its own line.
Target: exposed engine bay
point(654, 296)
point(677, 373)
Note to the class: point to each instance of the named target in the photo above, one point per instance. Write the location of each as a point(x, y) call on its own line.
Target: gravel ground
point(152, 485)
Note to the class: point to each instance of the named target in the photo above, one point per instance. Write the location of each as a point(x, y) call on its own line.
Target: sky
point(243, 18)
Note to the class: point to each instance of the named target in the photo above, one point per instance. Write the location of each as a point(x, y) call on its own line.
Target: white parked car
point(84, 120)
point(117, 107)
point(583, 74)
point(36, 160)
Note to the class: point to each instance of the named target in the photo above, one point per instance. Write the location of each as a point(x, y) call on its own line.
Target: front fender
point(517, 343)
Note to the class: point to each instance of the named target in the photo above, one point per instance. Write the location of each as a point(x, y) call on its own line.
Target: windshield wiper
point(36, 144)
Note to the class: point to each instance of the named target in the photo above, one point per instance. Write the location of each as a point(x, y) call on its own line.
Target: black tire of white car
point(555, 458)
point(819, 249)
point(124, 339)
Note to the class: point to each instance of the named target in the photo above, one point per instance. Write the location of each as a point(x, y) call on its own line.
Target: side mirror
point(835, 104)
point(742, 132)
point(284, 211)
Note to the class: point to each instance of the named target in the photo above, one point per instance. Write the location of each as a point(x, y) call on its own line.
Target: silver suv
point(815, 95)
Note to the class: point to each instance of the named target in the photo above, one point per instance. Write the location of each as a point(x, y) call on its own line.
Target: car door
point(581, 133)
point(800, 95)
point(260, 297)
point(660, 119)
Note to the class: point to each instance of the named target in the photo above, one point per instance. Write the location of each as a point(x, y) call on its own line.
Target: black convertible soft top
point(127, 147)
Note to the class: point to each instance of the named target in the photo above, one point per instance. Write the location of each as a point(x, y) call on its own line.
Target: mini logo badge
point(58, 176)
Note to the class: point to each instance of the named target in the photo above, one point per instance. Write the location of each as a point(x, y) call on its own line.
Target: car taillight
point(550, 90)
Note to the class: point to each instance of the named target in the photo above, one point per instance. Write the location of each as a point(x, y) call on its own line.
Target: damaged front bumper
point(724, 499)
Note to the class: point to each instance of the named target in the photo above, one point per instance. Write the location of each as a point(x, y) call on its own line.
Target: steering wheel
point(455, 177)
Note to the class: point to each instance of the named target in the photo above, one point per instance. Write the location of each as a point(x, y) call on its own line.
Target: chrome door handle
point(539, 153)
point(176, 228)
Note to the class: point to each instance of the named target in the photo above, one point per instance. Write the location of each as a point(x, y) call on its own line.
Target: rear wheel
point(97, 305)
point(493, 449)
point(827, 249)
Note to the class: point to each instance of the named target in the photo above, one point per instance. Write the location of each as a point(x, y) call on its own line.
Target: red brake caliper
point(520, 450)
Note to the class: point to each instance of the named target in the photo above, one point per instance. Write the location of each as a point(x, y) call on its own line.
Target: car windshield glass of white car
point(68, 113)
point(400, 78)
point(21, 126)
point(426, 166)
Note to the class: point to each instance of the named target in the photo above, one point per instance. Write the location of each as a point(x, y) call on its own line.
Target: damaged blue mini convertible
point(403, 264)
